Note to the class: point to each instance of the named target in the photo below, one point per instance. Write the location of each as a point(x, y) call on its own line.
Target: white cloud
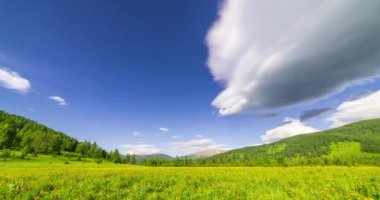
point(136, 133)
point(12, 80)
point(59, 100)
point(273, 54)
point(366, 107)
point(164, 129)
point(291, 127)
point(139, 149)
point(199, 136)
point(195, 145)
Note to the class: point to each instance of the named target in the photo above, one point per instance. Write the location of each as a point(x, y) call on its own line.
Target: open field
point(77, 180)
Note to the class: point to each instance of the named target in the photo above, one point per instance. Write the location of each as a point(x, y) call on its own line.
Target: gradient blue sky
point(128, 68)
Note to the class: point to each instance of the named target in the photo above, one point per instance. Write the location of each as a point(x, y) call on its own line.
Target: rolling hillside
point(356, 143)
point(27, 137)
point(18, 133)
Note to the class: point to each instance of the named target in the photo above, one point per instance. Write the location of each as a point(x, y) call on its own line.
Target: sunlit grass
point(88, 180)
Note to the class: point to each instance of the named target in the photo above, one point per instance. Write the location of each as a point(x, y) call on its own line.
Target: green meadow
point(55, 179)
point(39, 163)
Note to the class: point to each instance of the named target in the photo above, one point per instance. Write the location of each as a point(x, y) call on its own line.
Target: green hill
point(357, 143)
point(19, 133)
point(24, 136)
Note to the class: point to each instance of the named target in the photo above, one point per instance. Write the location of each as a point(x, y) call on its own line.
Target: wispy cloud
point(262, 69)
point(136, 133)
point(13, 81)
point(139, 149)
point(366, 107)
point(256, 144)
point(61, 101)
point(290, 127)
point(163, 129)
point(199, 136)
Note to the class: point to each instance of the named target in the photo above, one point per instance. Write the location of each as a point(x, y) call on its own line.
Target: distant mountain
point(357, 143)
point(206, 153)
point(164, 157)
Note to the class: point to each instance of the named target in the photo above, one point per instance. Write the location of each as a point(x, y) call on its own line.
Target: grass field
point(347, 150)
point(77, 180)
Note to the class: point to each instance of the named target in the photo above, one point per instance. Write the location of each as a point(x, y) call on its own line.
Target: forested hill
point(357, 143)
point(21, 134)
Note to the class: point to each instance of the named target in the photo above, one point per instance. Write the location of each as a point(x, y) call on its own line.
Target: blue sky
point(179, 77)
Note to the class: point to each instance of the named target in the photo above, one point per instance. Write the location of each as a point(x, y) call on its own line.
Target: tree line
point(254, 161)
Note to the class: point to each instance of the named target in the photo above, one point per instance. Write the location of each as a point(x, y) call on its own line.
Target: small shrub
point(46, 187)
point(6, 153)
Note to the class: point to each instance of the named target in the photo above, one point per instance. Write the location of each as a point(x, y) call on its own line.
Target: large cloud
point(272, 54)
point(367, 107)
point(12, 80)
point(291, 127)
point(139, 149)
